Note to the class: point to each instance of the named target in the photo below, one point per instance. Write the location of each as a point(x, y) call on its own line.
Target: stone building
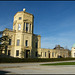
point(73, 51)
point(57, 52)
point(23, 43)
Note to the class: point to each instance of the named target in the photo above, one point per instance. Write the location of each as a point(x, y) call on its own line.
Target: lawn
point(63, 63)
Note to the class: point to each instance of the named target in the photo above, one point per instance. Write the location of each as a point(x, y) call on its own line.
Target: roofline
point(24, 12)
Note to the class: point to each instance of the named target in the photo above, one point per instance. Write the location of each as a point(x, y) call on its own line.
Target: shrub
point(23, 60)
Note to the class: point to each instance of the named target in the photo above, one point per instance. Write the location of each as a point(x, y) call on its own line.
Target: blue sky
point(53, 20)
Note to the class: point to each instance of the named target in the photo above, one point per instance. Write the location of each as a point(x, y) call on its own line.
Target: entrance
point(27, 53)
point(59, 56)
point(49, 55)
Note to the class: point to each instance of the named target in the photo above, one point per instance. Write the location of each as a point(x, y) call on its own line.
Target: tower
point(23, 27)
point(23, 22)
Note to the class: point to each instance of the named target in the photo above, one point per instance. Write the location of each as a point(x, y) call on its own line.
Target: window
point(24, 26)
point(19, 26)
point(36, 45)
point(55, 54)
point(9, 41)
point(26, 42)
point(20, 18)
point(52, 54)
point(45, 54)
point(74, 54)
point(5, 50)
point(18, 42)
point(27, 27)
point(17, 52)
point(36, 54)
point(9, 52)
point(41, 53)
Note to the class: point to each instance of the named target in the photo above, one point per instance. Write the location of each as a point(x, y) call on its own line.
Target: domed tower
point(73, 51)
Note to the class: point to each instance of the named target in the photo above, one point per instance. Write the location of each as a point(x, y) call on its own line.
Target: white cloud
point(63, 39)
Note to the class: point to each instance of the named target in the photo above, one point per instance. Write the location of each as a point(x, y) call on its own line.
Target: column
point(31, 28)
point(25, 27)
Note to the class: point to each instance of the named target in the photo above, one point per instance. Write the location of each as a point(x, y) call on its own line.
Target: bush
point(19, 60)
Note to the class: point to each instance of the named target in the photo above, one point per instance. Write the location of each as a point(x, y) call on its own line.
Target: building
point(23, 43)
point(57, 52)
point(73, 51)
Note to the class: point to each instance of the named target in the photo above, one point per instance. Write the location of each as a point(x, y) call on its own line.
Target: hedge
point(19, 60)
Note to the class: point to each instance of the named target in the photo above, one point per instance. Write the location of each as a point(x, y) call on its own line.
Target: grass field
point(63, 63)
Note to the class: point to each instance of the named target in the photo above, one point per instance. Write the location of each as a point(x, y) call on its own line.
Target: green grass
point(63, 63)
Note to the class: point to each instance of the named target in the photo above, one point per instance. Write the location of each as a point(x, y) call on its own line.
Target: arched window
point(45, 54)
point(27, 27)
point(26, 42)
point(19, 26)
point(9, 41)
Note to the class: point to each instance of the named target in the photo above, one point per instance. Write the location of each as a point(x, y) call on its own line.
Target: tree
point(4, 41)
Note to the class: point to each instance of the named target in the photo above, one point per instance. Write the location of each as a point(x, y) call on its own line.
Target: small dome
point(73, 45)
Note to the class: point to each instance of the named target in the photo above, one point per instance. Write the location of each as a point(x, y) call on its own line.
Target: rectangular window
point(9, 41)
point(24, 26)
point(18, 42)
point(45, 54)
point(9, 52)
point(26, 43)
point(20, 18)
point(17, 52)
point(27, 27)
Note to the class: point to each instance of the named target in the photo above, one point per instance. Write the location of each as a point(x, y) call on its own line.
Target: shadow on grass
point(4, 72)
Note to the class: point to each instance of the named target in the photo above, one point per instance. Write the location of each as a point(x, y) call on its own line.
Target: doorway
point(27, 53)
point(49, 55)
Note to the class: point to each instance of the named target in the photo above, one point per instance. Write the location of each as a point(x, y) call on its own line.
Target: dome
point(73, 45)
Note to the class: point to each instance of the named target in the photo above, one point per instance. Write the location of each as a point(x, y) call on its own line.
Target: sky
point(53, 20)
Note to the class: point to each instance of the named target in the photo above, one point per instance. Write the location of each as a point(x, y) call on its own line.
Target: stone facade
point(24, 43)
point(73, 51)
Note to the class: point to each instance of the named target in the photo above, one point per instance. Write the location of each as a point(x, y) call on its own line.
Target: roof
point(23, 12)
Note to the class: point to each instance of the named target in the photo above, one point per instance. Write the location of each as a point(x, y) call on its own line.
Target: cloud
point(63, 39)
